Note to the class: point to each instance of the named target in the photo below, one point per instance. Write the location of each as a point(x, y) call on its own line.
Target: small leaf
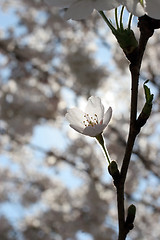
point(146, 111)
point(148, 95)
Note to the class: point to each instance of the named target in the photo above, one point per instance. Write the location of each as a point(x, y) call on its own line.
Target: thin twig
point(135, 66)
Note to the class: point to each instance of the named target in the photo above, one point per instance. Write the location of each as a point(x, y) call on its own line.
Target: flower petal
point(94, 106)
point(77, 127)
point(105, 5)
point(107, 116)
point(86, 123)
point(79, 10)
point(153, 8)
point(59, 3)
point(133, 6)
point(94, 131)
point(75, 117)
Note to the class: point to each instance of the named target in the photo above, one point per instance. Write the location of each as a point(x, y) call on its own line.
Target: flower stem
point(121, 18)
point(129, 21)
point(116, 18)
point(106, 154)
point(107, 21)
point(100, 139)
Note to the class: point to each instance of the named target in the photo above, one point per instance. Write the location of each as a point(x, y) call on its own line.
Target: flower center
point(90, 121)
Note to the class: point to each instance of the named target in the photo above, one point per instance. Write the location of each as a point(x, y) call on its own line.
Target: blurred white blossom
point(152, 8)
point(92, 121)
point(141, 7)
point(81, 9)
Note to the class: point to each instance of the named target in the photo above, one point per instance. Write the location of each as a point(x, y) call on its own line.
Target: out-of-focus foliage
point(53, 182)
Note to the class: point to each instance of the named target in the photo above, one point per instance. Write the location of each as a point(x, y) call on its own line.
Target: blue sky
point(8, 18)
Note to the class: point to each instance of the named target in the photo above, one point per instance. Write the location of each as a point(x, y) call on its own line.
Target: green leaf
point(148, 95)
point(146, 111)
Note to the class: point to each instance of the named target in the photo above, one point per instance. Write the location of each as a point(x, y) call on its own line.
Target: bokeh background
point(54, 183)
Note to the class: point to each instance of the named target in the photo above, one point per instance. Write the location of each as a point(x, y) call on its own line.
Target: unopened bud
point(113, 170)
point(131, 216)
point(126, 40)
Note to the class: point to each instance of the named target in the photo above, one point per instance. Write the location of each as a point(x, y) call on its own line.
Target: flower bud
point(113, 170)
point(130, 217)
point(126, 40)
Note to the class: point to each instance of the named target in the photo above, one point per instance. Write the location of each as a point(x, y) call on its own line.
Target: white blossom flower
point(152, 8)
point(92, 121)
point(81, 9)
point(141, 7)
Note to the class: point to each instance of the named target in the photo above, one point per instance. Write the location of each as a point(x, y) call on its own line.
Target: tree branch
point(135, 59)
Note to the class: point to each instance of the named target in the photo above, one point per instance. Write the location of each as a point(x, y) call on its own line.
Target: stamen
point(90, 121)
